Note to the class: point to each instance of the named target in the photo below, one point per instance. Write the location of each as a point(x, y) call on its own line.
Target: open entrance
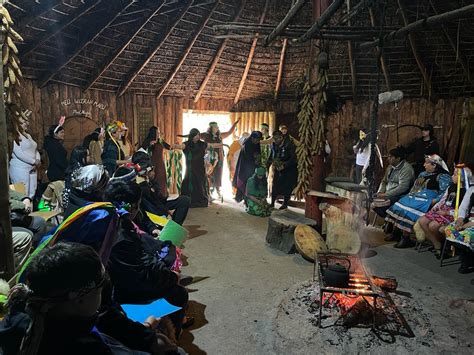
point(200, 120)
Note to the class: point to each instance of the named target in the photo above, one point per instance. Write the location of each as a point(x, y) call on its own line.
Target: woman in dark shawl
point(154, 145)
point(195, 182)
point(249, 159)
point(283, 158)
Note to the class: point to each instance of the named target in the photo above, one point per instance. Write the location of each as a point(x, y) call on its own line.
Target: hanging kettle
point(337, 275)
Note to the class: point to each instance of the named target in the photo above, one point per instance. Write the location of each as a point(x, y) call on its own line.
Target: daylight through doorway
point(200, 120)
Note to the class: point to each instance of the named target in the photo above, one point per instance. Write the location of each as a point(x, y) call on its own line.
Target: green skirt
point(258, 209)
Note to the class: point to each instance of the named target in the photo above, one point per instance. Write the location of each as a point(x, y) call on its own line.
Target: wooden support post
point(111, 12)
point(317, 179)
point(352, 63)
point(108, 62)
point(250, 57)
point(383, 63)
point(187, 51)
point(217, 57)
point(7, 262)
point(416, 54)
point(57, 27)
point(155, 47)
point(280, 68)
point(459, 53)
point(286, 20)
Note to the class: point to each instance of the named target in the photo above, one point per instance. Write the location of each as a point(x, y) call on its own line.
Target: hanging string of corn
point(306, 134)
point(11, 77)
point(311, 129)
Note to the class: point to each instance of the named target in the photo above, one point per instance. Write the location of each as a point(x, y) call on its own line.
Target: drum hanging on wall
point(75, 129)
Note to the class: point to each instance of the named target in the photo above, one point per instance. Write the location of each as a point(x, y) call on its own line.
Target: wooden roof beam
point(416, 54)
point(57, 27)
point(217, 57)
point(155, 47)
point(286, 20)
point(250, 57)
point(280, 68)
point(321, 21)
point(186, 51)
point(462, 12)
point(35, 11)
point(108, 62)
point(112, 11)
point(459, 55)
point(383, 62)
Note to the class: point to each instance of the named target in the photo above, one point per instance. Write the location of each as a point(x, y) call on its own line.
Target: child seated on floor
point(55, 312)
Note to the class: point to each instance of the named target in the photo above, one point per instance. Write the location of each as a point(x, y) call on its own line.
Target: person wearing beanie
point(153, 199)
point(397, 181)
point(57, 154)
point(427, 144)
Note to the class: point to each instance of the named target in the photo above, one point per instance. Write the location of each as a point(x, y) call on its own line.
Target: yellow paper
point(159, 220)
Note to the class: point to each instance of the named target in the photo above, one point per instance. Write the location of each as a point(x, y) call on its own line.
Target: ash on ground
point(447, 327)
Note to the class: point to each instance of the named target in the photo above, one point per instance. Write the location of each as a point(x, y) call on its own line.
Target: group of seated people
point(70, 294)
point(428, 200)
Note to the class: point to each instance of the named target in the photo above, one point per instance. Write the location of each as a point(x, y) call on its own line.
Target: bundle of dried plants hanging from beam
point(11, 77)
point(304, 151)
point(311, 126)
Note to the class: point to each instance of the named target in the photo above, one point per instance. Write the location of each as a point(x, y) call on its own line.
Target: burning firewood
point(385, 283)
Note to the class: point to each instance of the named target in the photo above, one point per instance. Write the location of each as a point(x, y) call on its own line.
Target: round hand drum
point(308, 242)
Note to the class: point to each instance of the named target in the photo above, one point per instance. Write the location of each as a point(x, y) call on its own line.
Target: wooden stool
point(281, 228)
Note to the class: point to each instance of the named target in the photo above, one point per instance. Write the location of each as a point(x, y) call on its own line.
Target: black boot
point(405, 242)
point(395, 236)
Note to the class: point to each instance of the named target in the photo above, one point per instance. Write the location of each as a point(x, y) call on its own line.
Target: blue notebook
point(140, 312)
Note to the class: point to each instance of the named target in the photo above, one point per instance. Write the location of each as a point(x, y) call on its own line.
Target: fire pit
point(360, 286)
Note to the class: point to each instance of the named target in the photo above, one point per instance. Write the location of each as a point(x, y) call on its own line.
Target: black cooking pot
point(337, 275)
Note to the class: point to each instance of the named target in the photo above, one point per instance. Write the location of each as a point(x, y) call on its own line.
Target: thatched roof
point(167, 47)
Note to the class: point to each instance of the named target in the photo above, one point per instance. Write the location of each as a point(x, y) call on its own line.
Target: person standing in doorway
point(25, 159)
point(421, 147)
point(57, 154)
point(125, 144)
point(214, 135)
point(94, 143)
point(195, 181)
point(249, 160)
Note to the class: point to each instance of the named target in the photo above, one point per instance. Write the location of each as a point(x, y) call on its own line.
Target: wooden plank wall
point(48, 104)
point(343, 127)
point(445, 115)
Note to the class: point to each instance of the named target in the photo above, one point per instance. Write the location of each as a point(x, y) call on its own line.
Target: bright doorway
point(200, 120)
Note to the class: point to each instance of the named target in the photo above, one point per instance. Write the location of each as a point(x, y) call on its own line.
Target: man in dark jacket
point(427, 144)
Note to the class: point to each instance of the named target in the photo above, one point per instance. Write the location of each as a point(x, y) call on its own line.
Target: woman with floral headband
point(113, 155)
point(428, 189)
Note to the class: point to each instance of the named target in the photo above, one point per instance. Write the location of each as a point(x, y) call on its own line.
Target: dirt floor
point(255, 300)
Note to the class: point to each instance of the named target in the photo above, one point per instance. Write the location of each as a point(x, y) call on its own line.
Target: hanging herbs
point(11, 76)
point(321, 98)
